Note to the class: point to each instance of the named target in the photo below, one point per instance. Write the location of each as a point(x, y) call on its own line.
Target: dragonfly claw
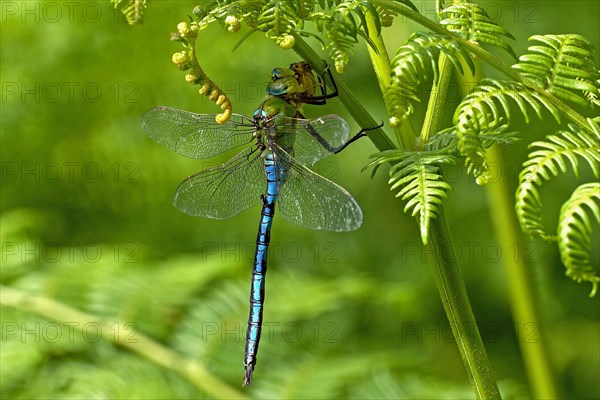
point(248, 374)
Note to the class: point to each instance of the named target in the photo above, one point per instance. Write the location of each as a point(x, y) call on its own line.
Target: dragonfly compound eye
point(283, 86)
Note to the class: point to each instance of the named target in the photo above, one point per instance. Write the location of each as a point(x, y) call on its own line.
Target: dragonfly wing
point(312, 201)
point(196, 135)
point(317, 138)
point(225, 190)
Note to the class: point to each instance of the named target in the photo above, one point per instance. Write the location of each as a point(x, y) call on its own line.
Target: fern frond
point(553, 157)
point(278, 19)
point(550, 159)
point(562, 64)
point(339, 48)
point(418, 178)
point(489, 102)
point(471, 22)
point(342, 29)
point(575, 230)
point(413, 62)
point(134, 11)
point(528, 207)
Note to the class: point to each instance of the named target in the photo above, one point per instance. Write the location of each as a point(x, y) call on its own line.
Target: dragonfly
point(278, 144)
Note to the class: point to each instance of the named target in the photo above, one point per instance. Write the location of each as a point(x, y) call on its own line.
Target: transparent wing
point(225, 190)
point(196, 135)
point(315, 138)
point(309, 200)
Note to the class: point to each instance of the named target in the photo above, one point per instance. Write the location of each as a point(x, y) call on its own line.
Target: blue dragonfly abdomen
point(259, 269)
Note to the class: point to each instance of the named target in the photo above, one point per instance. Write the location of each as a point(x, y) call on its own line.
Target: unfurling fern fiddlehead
point(575, 230)
point(187, 61)
point(552, 157)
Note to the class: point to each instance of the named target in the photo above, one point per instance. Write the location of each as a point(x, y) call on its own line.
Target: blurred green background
point(87, 221)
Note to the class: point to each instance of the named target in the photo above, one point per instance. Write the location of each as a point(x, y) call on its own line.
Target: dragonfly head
point(296, 81)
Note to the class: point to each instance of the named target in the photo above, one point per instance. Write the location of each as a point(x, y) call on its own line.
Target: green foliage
point(562, 65)
point(340, 22)
point(558, 65)
point(133, 10)
point(193, 304)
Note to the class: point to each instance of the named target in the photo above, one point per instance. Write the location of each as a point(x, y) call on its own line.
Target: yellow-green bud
point(285, 41)
point(233, 23)
point(183, 28)
point(179, 57)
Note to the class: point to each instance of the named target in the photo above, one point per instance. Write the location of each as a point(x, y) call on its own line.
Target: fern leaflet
point(418, 177)
point(562, 64)
point(471, 22)
point(575, 231)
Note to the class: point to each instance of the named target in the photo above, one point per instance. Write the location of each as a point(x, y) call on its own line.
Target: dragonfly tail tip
point(248, 374)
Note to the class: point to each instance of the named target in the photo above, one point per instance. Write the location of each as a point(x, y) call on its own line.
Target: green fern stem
point(356, 110)
point(383, 70)
point(445, 269)
point(141, 344)
point(437, 99)
point(520, 287)
point(458, 309)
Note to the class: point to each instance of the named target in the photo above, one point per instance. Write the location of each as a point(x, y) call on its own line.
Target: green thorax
point(270, 115)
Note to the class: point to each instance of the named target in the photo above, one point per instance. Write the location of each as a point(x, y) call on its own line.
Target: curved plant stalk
point(520, 287)
point(458, 309)
point(383, 69)
point(435, 107)
point(153, 351)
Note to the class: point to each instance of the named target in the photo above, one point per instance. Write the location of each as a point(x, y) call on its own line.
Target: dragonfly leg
point(322, 99)
point(354, 138)
point(327, 145)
